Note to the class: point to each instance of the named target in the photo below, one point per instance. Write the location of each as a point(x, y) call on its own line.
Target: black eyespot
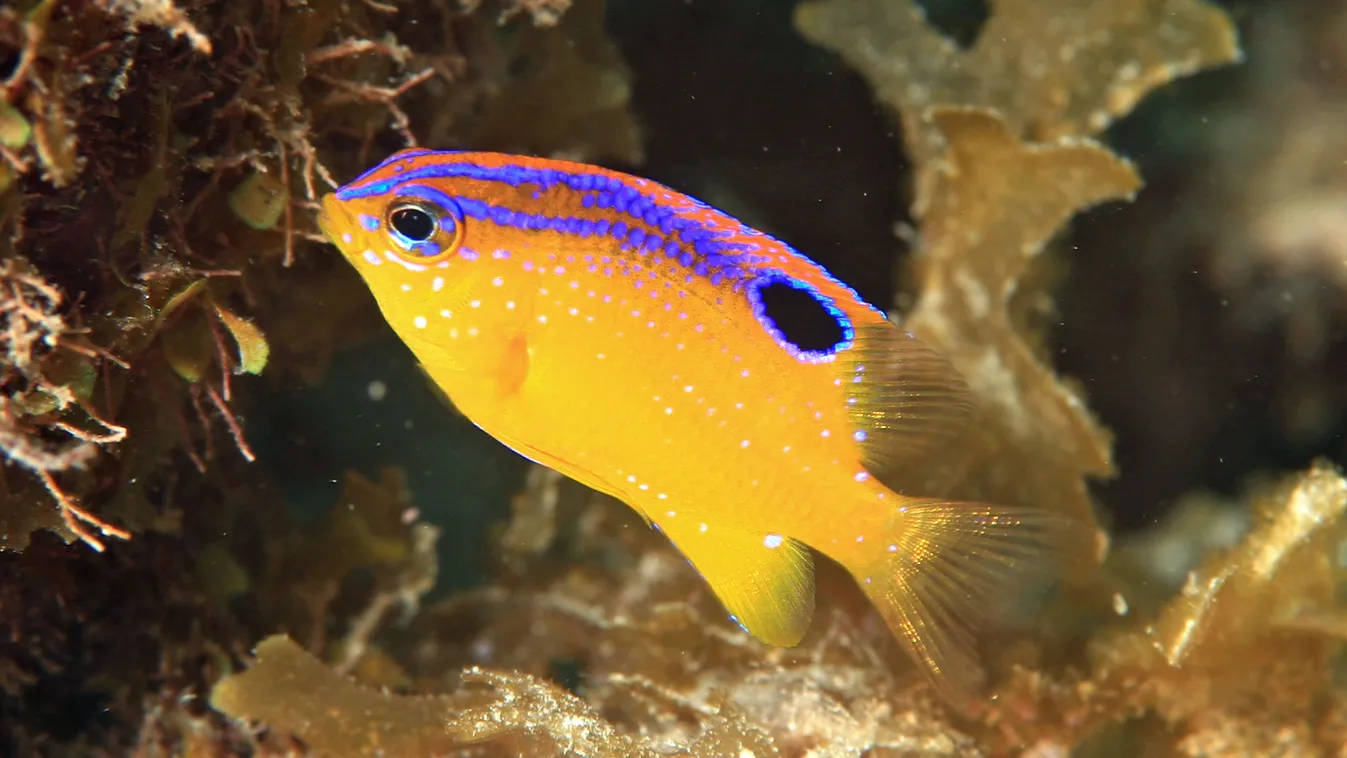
point(799, 317)
point(412, 223)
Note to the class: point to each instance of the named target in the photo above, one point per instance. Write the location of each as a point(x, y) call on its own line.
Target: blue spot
point(474, 208)
point(369, 222)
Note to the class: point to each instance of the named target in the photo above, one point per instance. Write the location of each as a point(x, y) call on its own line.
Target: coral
point(1268, 602)
point(334, 717)
point(1059, 72)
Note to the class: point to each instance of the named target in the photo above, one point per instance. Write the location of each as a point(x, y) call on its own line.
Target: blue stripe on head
point(436, 196)
point(513, 175)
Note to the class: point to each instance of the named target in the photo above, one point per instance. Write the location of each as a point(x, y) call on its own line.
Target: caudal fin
point(947, 568)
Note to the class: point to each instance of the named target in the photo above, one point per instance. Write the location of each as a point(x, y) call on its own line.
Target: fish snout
point(334, 220)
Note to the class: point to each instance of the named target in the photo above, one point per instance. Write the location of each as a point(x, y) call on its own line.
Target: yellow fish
point(742, 400)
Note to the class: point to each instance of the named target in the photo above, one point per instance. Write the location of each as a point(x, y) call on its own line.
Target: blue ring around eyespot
point(448, 220)
point(773, 276)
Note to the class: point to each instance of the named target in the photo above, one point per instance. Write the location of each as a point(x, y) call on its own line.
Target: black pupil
point(413, 223)
point(802, 319)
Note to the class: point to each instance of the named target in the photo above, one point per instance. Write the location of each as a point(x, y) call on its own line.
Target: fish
point(640, 341)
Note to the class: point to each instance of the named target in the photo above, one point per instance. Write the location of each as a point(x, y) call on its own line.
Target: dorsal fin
point(906, 402)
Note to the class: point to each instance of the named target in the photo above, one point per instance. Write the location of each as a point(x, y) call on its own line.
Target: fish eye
point(424, 225)
point(413, 223)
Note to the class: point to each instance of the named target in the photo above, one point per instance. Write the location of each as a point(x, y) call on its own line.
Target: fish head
point(425, 251)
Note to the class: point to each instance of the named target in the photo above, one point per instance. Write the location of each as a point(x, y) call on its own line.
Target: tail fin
point(947, 568)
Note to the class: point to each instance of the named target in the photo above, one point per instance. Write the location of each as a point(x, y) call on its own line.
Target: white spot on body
point(372, 258)
point(702, 527)
point(377, 390)
point(437, 284)
point(406, 287)
point(420, 322)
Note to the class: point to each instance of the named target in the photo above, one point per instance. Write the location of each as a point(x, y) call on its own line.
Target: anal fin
point(766, 581)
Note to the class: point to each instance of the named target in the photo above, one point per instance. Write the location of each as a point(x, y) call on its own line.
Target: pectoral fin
point(765, 581)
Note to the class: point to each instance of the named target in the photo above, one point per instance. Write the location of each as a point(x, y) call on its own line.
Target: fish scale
point(617, 331)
